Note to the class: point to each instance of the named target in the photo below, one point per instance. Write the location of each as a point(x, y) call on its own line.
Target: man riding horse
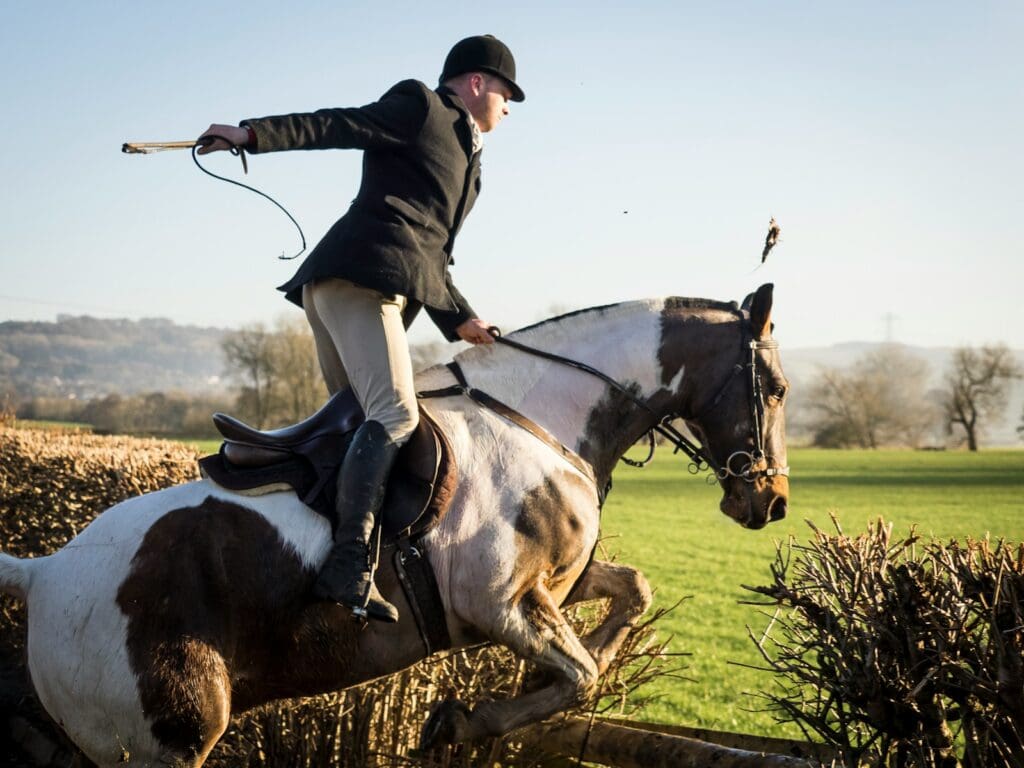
point(386, 258)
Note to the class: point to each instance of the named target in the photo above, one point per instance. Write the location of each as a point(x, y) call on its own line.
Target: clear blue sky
point(884, 137)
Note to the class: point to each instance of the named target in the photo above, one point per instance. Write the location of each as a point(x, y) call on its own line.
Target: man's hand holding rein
point(475, 331)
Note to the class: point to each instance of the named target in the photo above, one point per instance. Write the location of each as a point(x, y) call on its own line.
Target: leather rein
point(700, 459)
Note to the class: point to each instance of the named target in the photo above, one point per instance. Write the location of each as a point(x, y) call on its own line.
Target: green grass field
point(63, 426)
point(666, 522)
point(204, 446)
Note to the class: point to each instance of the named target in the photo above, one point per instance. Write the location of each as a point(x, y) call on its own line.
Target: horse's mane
point(671, 302)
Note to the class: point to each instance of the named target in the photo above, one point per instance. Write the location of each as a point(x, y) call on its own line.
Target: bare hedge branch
point(898, 651)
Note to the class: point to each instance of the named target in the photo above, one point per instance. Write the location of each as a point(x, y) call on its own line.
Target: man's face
point(490, 101)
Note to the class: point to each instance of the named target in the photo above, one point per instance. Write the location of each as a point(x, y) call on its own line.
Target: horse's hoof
point(448, 724)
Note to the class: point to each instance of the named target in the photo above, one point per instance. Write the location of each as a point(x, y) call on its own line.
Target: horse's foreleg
point(630, 597)
point(537, 631)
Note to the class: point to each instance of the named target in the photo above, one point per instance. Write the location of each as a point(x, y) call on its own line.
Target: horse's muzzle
point(754, 505)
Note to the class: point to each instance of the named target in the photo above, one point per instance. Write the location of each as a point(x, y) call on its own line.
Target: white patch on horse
point(677, 380)
point(537, 388)
point(487, 509)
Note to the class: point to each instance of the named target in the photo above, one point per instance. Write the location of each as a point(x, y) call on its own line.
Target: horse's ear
point(761, 311)
point(745, 306)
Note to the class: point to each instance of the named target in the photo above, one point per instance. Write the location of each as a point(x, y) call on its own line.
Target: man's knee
point(400, 422)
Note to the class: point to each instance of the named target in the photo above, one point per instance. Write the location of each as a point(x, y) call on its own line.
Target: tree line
point(883, 399)
point(274, 378)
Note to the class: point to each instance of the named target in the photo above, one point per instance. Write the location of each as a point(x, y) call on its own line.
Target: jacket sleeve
point(448, 321)
point(392, 121)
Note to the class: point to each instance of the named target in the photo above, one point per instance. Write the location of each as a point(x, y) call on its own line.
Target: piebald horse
point(172, 611)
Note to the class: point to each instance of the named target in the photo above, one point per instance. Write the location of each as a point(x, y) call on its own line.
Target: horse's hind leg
point(186, 693)
point(537, 631)
point(630, 597)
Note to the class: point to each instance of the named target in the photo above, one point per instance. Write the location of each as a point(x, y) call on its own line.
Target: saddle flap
point(411, 486)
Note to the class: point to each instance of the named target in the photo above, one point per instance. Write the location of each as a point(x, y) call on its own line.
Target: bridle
point(755, 399)
point(756, 461)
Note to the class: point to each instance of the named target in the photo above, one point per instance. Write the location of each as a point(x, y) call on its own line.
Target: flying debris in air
point(771, 239)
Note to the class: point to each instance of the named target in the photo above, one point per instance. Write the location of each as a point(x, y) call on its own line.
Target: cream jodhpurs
point(361, 343)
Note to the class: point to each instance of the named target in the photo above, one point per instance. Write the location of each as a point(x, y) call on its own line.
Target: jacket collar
point(467, 126)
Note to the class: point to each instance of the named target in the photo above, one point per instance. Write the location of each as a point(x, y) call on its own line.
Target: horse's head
point(736, 407)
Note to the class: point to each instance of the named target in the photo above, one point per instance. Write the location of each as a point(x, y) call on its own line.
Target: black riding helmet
point(483, 53)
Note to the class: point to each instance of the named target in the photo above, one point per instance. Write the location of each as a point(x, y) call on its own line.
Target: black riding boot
point(347, 575)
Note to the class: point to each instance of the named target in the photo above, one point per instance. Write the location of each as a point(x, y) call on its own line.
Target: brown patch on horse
point(680, 322)
point(689, 333)
point(549, 530)
point(218, 612)
point(611, 428)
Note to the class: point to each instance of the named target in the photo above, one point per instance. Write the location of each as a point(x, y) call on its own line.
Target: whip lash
point(151, 147)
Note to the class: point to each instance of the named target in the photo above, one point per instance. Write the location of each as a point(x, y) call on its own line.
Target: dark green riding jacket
point(420, 180)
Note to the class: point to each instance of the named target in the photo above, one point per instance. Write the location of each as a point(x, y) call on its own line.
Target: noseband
point(700, 458)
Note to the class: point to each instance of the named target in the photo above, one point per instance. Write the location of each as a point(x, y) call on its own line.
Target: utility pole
point(890, 323)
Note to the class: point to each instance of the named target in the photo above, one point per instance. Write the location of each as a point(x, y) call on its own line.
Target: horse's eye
point(779, 392)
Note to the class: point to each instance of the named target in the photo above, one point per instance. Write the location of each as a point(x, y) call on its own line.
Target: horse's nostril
point(777, 510)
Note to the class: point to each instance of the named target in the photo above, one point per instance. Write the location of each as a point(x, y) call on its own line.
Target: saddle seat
point(249, 447)
point(306, 457)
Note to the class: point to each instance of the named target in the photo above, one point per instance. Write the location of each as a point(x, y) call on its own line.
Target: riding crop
point(150, 147)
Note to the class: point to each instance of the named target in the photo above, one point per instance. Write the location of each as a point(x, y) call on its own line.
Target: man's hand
point(475, 331)
point(238, 137)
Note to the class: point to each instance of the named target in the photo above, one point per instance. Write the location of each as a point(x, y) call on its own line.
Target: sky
point(656, 141)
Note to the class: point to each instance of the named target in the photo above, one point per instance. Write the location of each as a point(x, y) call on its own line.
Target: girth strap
point(424, 598)
point(507, 412)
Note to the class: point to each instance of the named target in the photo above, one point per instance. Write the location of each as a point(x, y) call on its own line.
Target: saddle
point(306, 456)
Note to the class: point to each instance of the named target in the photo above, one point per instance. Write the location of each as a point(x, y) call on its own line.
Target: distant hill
point(86, 357)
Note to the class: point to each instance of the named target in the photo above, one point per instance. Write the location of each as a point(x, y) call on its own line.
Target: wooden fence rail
point(642, 745)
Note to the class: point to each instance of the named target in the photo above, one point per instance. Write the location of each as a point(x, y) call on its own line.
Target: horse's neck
point(622, 341)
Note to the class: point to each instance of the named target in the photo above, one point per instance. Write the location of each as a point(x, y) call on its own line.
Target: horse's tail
point(14, 576)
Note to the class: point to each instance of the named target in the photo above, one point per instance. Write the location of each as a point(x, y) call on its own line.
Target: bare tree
point(279, 373)
point(879, 400)
point(250, 361)
point(277, 370)
point(298, 388)
point(976, 388)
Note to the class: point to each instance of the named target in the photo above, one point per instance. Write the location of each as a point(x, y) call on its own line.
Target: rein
point(700, 458)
